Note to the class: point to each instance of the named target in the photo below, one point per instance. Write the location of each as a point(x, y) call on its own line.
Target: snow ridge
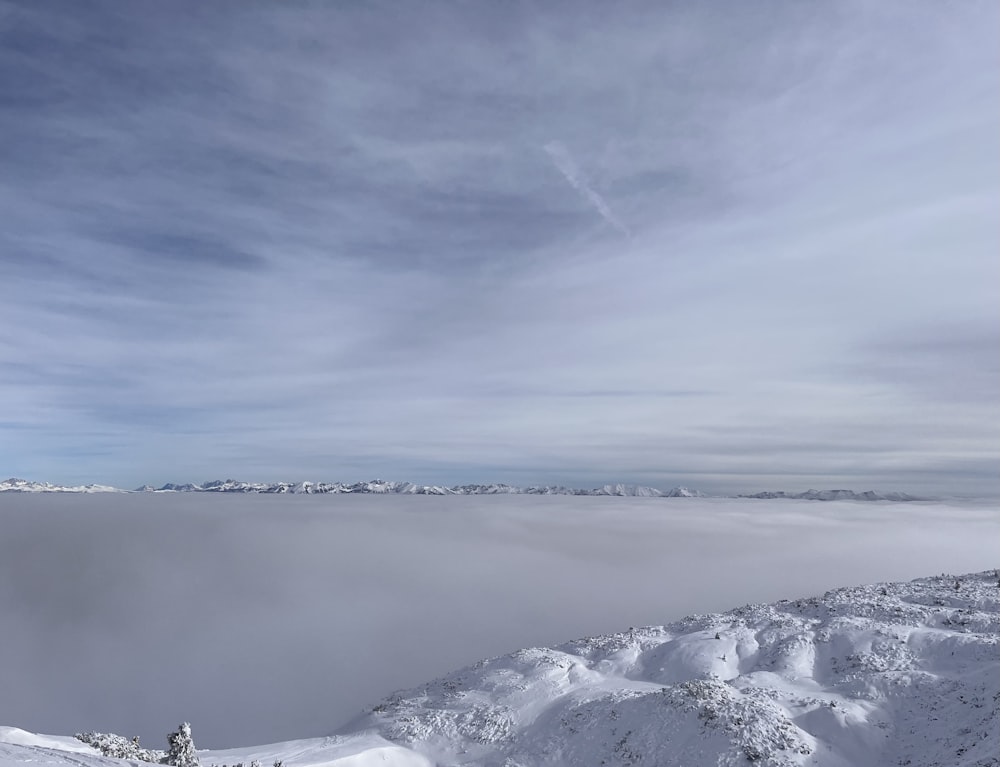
point(896, 673)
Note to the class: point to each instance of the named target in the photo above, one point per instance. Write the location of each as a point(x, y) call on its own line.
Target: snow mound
point(904, 673)
point(17, 737)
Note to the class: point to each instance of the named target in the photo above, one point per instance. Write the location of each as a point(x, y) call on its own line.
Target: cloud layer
point(264, 618)
point(566, 165)
point(329, 242)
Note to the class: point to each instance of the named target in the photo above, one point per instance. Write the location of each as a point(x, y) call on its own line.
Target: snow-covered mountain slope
point(638, 491)
point(15, 485)
point(905, 673)
point(18, 747)
point(888, 674)
point(684, 492)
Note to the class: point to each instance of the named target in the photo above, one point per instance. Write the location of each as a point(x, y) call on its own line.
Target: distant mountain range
point(834, 495)
point(383, 487)
point(15, 485)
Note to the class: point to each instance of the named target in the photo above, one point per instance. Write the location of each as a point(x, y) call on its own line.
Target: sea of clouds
point(264, 618)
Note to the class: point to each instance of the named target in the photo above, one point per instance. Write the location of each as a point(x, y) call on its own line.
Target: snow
point(885, 674)
point(362, 749)
point(17, 737)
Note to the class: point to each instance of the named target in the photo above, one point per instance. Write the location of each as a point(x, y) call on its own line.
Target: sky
point(267, 618)
point(727, 246)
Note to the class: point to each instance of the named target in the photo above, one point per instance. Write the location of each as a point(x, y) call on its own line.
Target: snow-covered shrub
point(181, 752)
point(120, 747)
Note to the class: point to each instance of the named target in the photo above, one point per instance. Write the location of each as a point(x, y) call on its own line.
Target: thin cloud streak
point(566, 165)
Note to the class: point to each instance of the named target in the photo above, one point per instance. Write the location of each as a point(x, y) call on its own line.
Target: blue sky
point(531, 242)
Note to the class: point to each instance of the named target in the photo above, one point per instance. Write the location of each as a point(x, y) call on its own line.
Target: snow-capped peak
point(15, 485)
point(684, 492)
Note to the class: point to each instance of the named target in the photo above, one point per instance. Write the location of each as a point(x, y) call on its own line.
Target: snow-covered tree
point(181, 752)
point(119, 747)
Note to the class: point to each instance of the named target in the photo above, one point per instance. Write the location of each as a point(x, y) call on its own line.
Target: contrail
point(571, 172)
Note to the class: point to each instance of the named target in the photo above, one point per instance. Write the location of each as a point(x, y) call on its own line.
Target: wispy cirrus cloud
point(566, 165)
point(326, 241)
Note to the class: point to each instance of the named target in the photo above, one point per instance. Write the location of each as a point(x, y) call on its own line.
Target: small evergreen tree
point(181, 752)
point(119, 747)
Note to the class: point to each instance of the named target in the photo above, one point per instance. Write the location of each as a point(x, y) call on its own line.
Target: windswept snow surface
point(887, 674)
point(904, 673)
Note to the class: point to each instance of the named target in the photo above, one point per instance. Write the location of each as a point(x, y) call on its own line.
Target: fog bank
point(263, 618)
